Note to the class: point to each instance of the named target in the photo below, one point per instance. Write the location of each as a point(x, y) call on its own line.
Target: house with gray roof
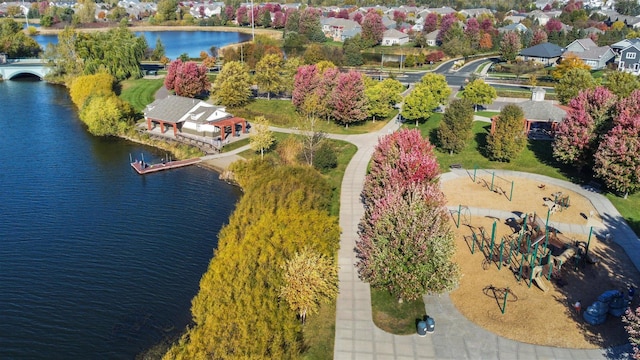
point(546, 54)
point(339, 29)
point(597, 57)
point(432, 38)
point(520, 28)
point(476, 12)
point(394, 37)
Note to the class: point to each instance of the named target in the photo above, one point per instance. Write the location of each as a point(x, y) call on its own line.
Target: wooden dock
point(144, 168)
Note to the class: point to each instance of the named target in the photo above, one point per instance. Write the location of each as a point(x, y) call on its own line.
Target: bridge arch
point(16, 67)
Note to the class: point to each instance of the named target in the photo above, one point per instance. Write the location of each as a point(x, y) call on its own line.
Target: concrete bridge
point(17, 67)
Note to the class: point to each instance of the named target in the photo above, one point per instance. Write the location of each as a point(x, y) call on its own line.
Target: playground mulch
point(536, 317)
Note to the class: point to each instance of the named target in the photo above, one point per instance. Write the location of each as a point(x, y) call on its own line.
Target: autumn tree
point(261, 138)
point(382, 96)
point(232, 86)
point(539, 37)
point(289, 70)
point(238, 311)
point(479, 92)
point(187, 79)
point(309, 280)
point(106, 115)
point(269, 74)
point(578, 135)
point(508, 138)
point(437, 84)
point(372, 28)
point(569, 62)
point(455, 130)
point(405, 244)
point(419, 104)
point(621, 83)
point(485, 41)
point(510, 46)
point(574, 81)
point(83, 87)
point(167, 10)
point(631, 319)
point(348, 100)
point(305, 82)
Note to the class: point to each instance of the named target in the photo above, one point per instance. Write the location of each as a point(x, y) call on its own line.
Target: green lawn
point(396, 318)
point(140, 92)
point(282, 113)
point(235, 145)
point(488, 114)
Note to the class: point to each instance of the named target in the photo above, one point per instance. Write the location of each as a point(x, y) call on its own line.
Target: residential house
point(546, 54)
point(340, 29)
point(597, 57)
point(440, 11)
point(520, 28)
point(394, 37)
point(515, 19)
point(475, 12)
point(623, 44)
point(629, 59)
point(538, 16)
point(432, 38)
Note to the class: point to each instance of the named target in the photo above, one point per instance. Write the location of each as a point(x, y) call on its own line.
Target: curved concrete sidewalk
point(455, 336)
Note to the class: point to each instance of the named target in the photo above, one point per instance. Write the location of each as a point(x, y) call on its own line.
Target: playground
point(522, 273)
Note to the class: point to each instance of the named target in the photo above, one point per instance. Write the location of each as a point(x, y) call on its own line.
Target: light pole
point(253, 31)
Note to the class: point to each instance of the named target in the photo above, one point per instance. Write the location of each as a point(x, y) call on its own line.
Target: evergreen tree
point(508, 138)
point(455, 130)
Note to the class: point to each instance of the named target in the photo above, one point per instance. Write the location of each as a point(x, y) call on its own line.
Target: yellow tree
point(86, 86)
point(571, 61)
point(310, 278)
point(261, 137)
point(269, 74)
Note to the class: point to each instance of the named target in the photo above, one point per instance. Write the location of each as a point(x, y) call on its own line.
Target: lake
point(176, 42)
point(96, 261)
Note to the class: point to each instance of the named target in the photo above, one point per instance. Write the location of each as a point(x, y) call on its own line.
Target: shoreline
point(276, 34)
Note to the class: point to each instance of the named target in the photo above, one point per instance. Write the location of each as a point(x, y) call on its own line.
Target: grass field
point(282, 113)
point(394, 317)
point(140, 92)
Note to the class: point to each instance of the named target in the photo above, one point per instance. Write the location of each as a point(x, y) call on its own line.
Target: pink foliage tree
point(487, 26)
point(348, 99)
point(472, 31)
point(399, 16)
point(445, 24)
point(617, 162)
point(553, 25)
point(229, 12)
point(430, 23)
point(343, 14)
point(304, 83)
point(577, 137)
point(372, 28)
point(400, 159)
point(405, 245)
point(187, 79)
point(324, 91)
point(632, 325)
point(539, 37)
point(358, 18)
point(242, 15)
point(278, 20)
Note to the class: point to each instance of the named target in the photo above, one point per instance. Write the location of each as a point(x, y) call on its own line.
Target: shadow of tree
point(481, 141)
point(543, 151)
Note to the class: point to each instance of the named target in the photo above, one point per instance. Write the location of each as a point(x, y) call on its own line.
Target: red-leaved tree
point(400, 159)
point(430, 23)
point(405, 244)
point(187, 79)
point(589, 117)
point(348, 99)
point(372, 28)
point(304, 84)
point(617, 162)
point(632, 325)
point(539, 37)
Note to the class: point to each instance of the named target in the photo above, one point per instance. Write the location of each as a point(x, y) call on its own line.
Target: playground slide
point(538, 279)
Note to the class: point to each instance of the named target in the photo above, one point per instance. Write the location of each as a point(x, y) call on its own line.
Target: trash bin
point(422, 328)
point(431, 325)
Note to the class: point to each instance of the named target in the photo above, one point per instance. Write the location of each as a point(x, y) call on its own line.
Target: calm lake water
point(176, 42)
point(96, 262)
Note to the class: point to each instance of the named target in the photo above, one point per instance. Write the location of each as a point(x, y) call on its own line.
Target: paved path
point(455, 336)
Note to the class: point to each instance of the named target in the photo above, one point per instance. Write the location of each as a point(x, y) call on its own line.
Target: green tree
point(63, 57)
point(309, 279)
point(510, 45)
point(508, 138)
point(232, 86)
point(438, 86)
point(289, 72)
point(14, 42)
point(261, 137)
point(106, 115)
point(158, 51)
point(455, 130)
point(269, 74)
point(419, 104)
point(84, 87)
point(574, 81)
point(87, 12)
point(479, 92)
point(382, 96)
point(621, 83)
point(167, 10)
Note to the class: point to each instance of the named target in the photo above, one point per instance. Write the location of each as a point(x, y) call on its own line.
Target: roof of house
point(513, 27)
point(594, 53)
point(544, 50)
point(432, 35)
point(542, 111)
point(623, 44)
point(176, 109)
point(394, 34)
point(585, 43)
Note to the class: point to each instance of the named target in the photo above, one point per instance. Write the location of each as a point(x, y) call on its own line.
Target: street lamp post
point(253, 31)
